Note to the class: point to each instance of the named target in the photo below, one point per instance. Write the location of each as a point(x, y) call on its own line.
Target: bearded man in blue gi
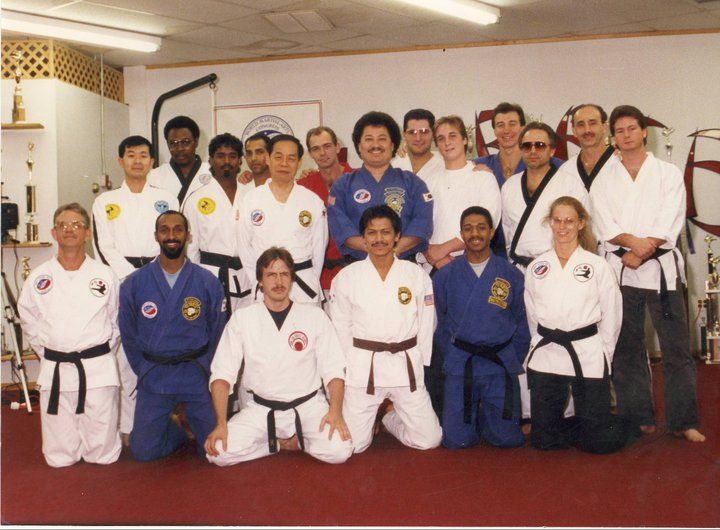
point(483, 333)
point(171, 318)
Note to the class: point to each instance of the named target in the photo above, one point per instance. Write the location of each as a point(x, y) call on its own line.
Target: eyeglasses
point(570, 223)
point(185, 142)
point(415, 132)
point(527, 146)
point(74, 225)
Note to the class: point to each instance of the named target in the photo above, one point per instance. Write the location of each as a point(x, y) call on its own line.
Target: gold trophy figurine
point(26, 267)
point(18, 111)
point(713, 280)
point(31, 227)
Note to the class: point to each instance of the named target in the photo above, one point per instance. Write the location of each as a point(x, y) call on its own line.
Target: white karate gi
point(299, 225)
point(582, 293)
point(124, 225)
point(164, 177)
point(435, 165)
point(364, 306)
point(280, 365)
point(71, 311)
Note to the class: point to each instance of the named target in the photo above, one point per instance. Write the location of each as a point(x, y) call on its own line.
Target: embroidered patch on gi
point(305, 218)
point(331, 200)
point(499, 293)
point(149, 309)
point(204, 178)
point(223, 306)
point(191, 308)
point(429, 299)
point(112, 211)
point(540, 269)
point(161, 206)
point(361, 196)
point(298, 341)
point(395, 199)
point(583, 272)
point(43, 283)
point(206, 206)
point(257, 217)
point(404, 295)
point(98, 287)
point(427, 197)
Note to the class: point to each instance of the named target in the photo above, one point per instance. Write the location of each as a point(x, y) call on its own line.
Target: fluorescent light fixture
point(78, 32)
point(468, 10)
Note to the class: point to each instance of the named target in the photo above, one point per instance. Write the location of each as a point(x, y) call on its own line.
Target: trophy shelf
point(27, 244)
point(27, 355)
point(21, 126)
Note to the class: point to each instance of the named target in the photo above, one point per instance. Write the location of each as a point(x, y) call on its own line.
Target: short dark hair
point(418, 114)
point(171, 212)
point(270, 255)
point(539, 126)
point(286, 138)
point(377, 119)
point(453, 121)
point(603, 114)
point(504, 108)
point(182, 122)
point(627, 111)
point(72, 207)
point(134, 141)
point(382, 211)
point(476, 210)
point(225, 140)
point(315, 131)
point(259, 136)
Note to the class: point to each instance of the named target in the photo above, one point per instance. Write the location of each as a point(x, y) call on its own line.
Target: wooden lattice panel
point(46, 59)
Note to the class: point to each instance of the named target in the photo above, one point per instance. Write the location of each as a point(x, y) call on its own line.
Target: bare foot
point(384, 408)
point(181, 422)
point(125, 437)
point(289, 444)
point(648, 429)
point(691, 435)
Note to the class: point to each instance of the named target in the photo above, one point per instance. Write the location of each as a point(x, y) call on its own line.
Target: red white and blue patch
point(362, 196)
point(540, 269)
point(298, 341)
point(161, 206)
point(429, 299)
point(427, 197)
point(149, 310)
point(43, 283)
point(257, 217)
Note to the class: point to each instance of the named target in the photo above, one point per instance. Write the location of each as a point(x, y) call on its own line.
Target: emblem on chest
point(583, 272)
point(305, 218)
point(404, 295)
point(43, 283)
point(499, 293)
point(191, 308)
point(395, 199)
point(540, 269)
point(98, 287)
point(298, 341)
point(112, 211)
point(206, 206)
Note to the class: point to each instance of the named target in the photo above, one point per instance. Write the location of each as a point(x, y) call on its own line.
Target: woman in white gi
point(574, 311)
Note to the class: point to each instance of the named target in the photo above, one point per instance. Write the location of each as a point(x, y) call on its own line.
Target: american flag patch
point(427, 197)
point(429, 299)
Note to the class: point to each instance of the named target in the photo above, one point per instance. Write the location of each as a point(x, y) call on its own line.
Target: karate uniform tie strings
point(274, 405)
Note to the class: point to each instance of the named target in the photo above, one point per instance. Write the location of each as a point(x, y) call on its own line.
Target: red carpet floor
point(658, 481)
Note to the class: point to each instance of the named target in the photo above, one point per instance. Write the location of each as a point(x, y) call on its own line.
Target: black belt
point(300, 282)
point(224, 264)
point(491, 354)
point(75, 358)
point(334, 263)
point(138, 262)
point(522, 260)
point(189, 356)
point(392, 347)
point(283, 405)
point(664, 295)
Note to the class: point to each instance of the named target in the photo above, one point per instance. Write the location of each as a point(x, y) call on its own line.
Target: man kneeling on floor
point(289, 349)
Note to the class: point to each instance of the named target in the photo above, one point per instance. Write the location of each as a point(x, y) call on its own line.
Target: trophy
point(25, 267)
point(666, 132)
point(31, 227)
point(713, 280)
point(18, 111)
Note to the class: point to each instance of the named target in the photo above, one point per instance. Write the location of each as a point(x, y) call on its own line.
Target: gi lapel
point(185, 181)
point(588, 179)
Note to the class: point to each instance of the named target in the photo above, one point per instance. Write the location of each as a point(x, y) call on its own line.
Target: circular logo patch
point(191, 308)
point(404, 295)
point(161, 206)
point(43, 283)
point(98, 287)
point(112, 211)
point(298, 341)
point(362, 196)
point(204, 178)
point(583, 272)
point(149, 310)
point(540, 269)
point(257, 217)
point(268, 125)
point(206, 206)
point(305, 218)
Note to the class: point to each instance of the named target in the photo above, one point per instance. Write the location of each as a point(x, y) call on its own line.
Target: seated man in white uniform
point(290, 351)
point(384, 313)
point(68, 309)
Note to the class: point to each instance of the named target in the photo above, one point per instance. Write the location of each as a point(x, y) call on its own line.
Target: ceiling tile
point(206, 11)
point(632, 27)
point(218, 37)
point(368, 42)
point(703, 20)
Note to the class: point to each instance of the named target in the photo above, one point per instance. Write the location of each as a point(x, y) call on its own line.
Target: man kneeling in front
point(289, 349)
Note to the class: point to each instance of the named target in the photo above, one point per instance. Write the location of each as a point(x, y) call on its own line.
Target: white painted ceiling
point(210, 30)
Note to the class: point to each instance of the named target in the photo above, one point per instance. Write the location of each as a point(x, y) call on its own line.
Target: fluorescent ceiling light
point(78, 32)
point(468, 10)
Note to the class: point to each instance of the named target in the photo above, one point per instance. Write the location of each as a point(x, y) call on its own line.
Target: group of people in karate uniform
point(463, 300)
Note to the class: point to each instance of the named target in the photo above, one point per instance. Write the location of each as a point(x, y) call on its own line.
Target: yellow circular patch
point(191, 308)
point(206, 206)
point(404, 295)
point(112, 211)
point(305, 218)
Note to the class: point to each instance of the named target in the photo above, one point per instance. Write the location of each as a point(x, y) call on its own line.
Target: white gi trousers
point(248, 434)
point(128, 382)
point(413, 421)
point(91, 436)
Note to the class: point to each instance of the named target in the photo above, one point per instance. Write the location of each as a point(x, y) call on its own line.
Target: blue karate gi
point(358, 190)
point(484, 311)
point(180, 325)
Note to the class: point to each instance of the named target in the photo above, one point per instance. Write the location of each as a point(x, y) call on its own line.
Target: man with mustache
point(171, 318)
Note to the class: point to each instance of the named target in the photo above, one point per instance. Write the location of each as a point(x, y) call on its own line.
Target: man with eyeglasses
point(68, 310)
point(418, 136)
point(185, 171)
point(124, 221)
